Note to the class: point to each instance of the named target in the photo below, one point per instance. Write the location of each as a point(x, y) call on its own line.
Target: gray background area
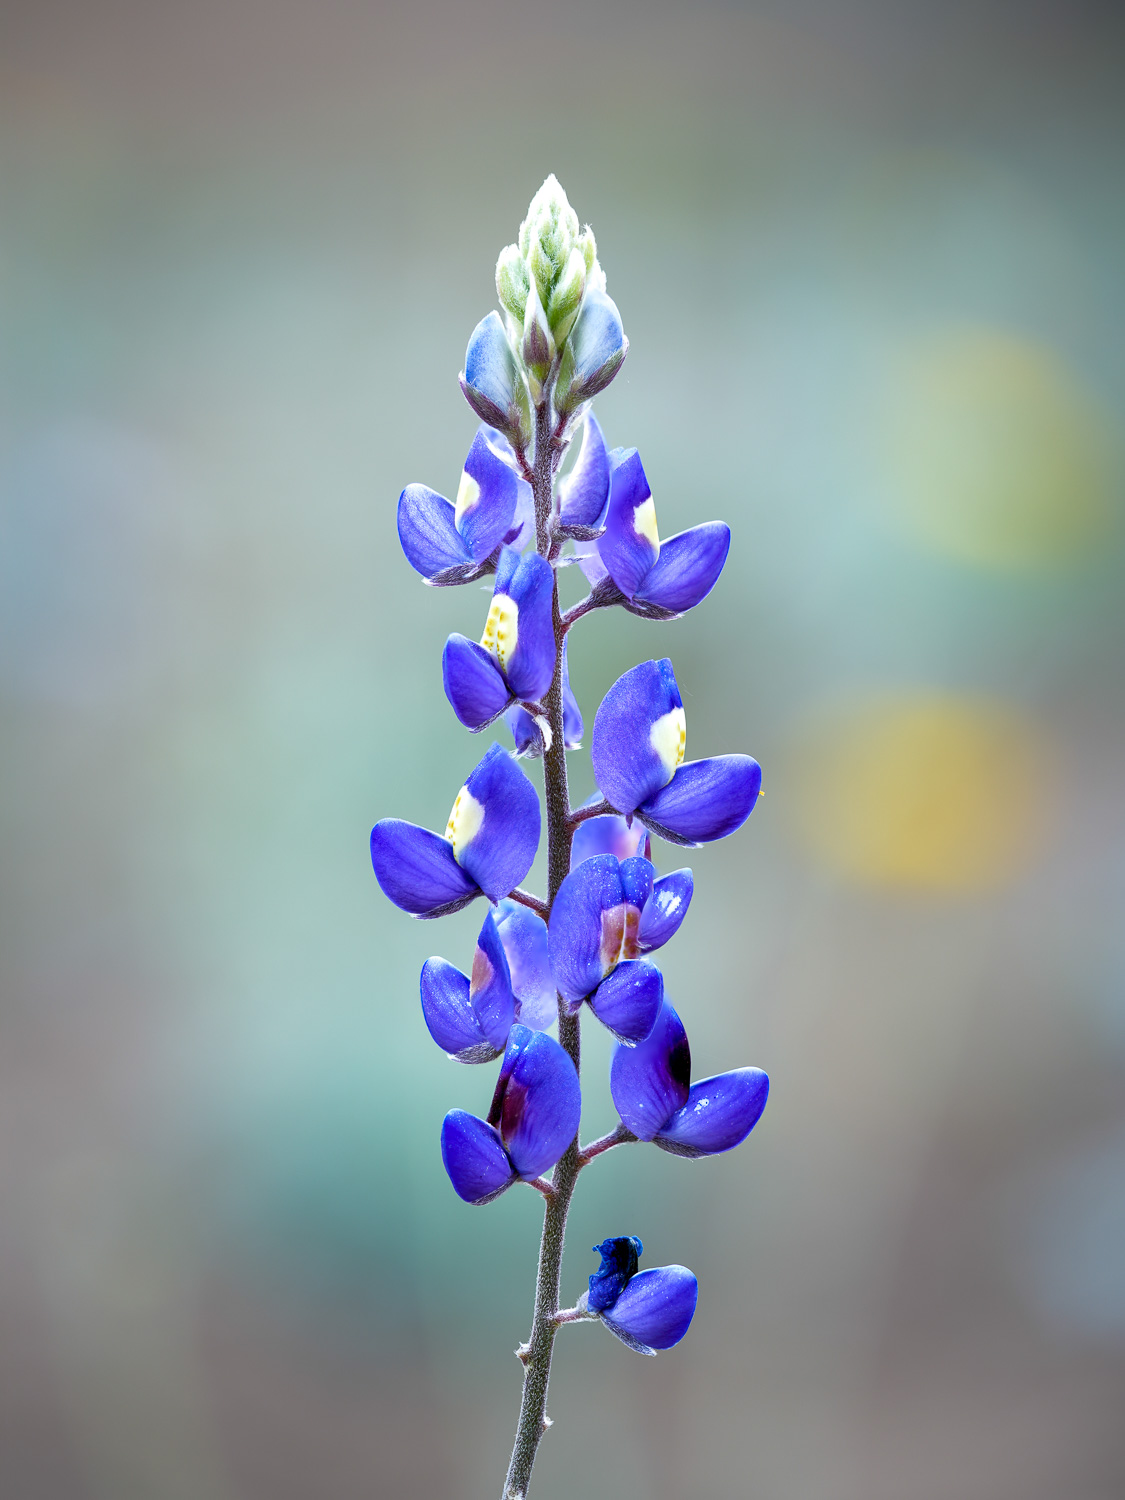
point(869, 258)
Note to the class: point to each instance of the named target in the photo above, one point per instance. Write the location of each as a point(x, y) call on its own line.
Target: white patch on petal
point(545, 731)
point(464, 821)
point(667, 902)
point(502, 629)
point(644, 522)
point(668, 736)
point(468, 493)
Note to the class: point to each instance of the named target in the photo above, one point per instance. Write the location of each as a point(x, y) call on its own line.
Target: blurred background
point(869, 256)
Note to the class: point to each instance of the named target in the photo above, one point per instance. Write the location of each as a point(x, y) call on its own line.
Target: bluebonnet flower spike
point(453, 543)
point(488, 847)
point(637, 750)
point(653, 1093)
point(533, 1119)
point(516, 655)
point(647, 1310)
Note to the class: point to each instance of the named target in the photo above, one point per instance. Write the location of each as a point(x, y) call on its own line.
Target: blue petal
point(649, 1082)
point(417, 871)
point(585, 490)
point(448, 1014)
point(524, 936)
point(665, 909)
point(589, 559)
point(655, 1309)
point(576, 931)
point(490, 991)
point(490, 372)
point(627, 548)
point(572, 714)
point(606, 835)
point(500, 852)
point(688, 567)
point(526, 732)
point(428, 533)
point(628, 1001)
point(486, 518)
point(530, 583)
point(627, 765)
point(705, 800)
point(474, 1157)
point(637, 876)
point(618, 1267)
point(473, 682)
point(540, 1101)
point(719, 1114)
point(597, 346)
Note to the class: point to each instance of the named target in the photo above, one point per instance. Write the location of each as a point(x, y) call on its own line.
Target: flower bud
point(493, 385)
point(594, 352)
point(512, 282)
point(567, 295)
point(538, 345)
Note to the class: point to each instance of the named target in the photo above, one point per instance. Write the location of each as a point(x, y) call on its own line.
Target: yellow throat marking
point(644, 522)
point(668, 736)
point(468, 493)
point(502, 628)
point(464, 821)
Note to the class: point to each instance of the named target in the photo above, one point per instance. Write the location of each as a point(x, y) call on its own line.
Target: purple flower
point(492, 383)
point(637, 752)
point(455, 543)
point(524, 938)
point(647, 1310)
point(516, 656)
point(533, 1119)
point(606, 914)
point(528, 732)
point(584, 493)
point(489, 844)
point(595, 351)
point(659, 580)
point(653, 1093)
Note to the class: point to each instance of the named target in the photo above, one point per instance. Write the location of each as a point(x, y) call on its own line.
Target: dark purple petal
point(529, 583)
point(524, 936)
point(486, 499)
point(638, 735)
point(655, 1309)
point(705, 800)
point(649, 1082)
point(490, 991)
point(630, 545)
point(474, 1157)
point(495, 824)
point(540, 1101)
point(473, 683)
point(428, 533)
point(585, 490)
point(628, 1001)
point(665, 909)
point(577, 930)
point(417, 870)
point(619, 1266)
point(449, 1014)
point(606, 835)
point(719, 1114)
point(688, 567)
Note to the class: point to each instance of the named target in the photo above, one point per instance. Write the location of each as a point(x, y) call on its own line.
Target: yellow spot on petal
point(668, 737)
point(644, 522)
point(464, 821)
point(502, 629)
point(933, 792)
point(468, 493)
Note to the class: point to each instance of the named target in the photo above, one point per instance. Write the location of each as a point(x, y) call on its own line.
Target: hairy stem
point(536, 1354)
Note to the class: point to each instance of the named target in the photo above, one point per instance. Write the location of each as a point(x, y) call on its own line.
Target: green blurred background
point(869, 257)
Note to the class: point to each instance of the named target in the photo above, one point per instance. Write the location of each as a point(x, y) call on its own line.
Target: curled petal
point(585, 490)
point(628, 1001)
point(474, 1158)
point(655, 1309)
point(428, 532)
point(619, 1265)
point(705, 800)
point(665, 909)
point(649, 1082)
point(500, 819)
point(631, 544)
point(473, 683)
point(490, 991)
point(449, 1014)
point(524, 936)
point(687, 569)
point(606, 835)
point(639, 733)
point(417, 869)
point(526, 585)
point(719, 1114)
point(576, 933)
point(538, 1101)
point(486, 499)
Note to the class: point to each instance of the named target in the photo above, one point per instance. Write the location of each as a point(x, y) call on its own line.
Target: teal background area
point(869, 260)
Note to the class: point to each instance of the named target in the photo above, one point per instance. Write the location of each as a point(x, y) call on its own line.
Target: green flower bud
point(588, 247)
point(548, 235)
point(512, 282)
point(567, 295)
